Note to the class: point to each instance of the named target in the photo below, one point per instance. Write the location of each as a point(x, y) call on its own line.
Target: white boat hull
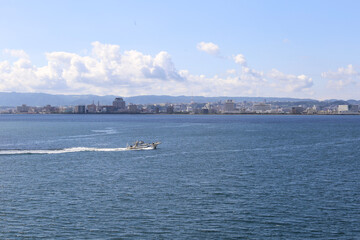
point(139, 145)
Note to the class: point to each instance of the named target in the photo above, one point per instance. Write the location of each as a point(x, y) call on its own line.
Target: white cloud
point(343, 77)
point(209, 48)
point(106, 52)
point(240, 59)
point(341, 73)
point(17, 53)
point(108, 70)
point(231, 71)
point(105, 71)
point(290, 83)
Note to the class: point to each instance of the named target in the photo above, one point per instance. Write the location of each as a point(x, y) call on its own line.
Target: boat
point(140, 145)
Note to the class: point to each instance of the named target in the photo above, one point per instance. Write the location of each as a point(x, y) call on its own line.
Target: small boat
point(139, 145)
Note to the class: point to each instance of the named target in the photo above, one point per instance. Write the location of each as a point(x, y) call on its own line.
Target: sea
point(212, 177)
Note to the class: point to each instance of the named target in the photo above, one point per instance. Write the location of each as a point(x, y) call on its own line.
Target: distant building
point(107, 109)
point(119, 104)
point(66, 109)
point(297, 110)
point(354, 108)
point(343, 108)
point(133, 108)
point(261, 107)
point(204, 110)
point(229, 106)
point(210, 108)
point(348, 109)
point(277, 111)
point(312, 110)
point(91, 108)
point(179, 107)
point(170, 109)
point(48, 109)
point(23, 109)
point(79, 109)
point(189, 109)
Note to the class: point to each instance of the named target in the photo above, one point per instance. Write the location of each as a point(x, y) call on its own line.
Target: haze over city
point(303, 49)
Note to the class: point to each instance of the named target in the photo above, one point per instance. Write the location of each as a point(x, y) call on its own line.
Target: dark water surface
point(213, 177)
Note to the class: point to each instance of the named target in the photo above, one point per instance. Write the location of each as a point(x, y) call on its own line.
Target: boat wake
point(65, 150)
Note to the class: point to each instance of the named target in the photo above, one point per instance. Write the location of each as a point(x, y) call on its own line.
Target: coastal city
point(119, 106)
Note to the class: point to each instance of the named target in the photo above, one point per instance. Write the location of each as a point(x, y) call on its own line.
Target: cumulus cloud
point(342, 77)
point(276, 80)
point(341, 73)
point(209, 48)
point(240, 59)
point(290, 83)
point(247, 81)
point(108, 70)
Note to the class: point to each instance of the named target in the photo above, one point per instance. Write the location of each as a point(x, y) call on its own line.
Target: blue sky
point(288, 48)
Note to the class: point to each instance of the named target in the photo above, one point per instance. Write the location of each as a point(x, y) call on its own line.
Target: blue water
point(213, 177)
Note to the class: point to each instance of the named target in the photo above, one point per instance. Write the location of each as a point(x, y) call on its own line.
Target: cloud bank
point(108, 70)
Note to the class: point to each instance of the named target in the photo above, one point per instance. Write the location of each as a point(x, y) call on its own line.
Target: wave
point(65, 150)
point(95, 132)
point(106, 131)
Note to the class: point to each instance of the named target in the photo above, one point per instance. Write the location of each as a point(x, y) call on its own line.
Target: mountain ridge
point(13, 99)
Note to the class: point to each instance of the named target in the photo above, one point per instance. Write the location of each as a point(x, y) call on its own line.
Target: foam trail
point(65, 150)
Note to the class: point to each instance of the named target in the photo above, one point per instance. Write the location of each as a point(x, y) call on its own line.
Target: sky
point(302, 49)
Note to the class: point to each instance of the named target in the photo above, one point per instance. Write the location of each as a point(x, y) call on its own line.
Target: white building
point(261, 107)
point(348, 109)
point(229, 106)
point(312, 110)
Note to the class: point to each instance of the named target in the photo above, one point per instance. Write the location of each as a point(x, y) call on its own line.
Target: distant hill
point(41, 99)
point(187, 99)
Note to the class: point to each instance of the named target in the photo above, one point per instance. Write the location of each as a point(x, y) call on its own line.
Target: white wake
point(65, 150)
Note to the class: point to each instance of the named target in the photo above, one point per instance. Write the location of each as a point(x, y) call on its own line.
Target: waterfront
point(213, 177)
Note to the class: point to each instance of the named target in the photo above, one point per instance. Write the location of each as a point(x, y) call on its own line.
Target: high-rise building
point(79, 109)
point(118, 104)
point(229, 106)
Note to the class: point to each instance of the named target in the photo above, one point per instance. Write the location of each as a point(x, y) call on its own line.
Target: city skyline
point(208, 48)
point(119, 106)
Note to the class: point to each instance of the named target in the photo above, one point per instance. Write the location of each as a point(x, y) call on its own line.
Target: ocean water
point(213, 177)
